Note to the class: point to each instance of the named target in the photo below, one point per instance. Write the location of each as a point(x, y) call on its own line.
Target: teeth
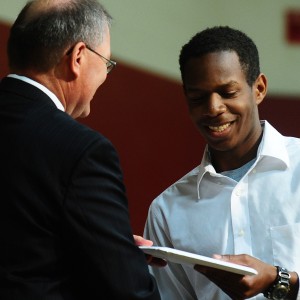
point(219, 128)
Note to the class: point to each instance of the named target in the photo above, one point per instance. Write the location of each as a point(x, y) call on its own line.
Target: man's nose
point(215, 105)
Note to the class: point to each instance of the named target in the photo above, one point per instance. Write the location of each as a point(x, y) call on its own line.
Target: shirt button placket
point(240, 220)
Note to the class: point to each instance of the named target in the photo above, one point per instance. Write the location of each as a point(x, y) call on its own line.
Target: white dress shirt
point(52, 96)
point(207, 213)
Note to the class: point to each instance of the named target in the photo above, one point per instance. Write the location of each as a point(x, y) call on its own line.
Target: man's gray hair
point(45, 29)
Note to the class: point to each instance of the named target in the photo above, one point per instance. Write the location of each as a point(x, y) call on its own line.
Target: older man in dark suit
point(64, 225)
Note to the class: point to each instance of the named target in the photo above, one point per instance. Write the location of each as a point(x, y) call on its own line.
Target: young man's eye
point(229, 94)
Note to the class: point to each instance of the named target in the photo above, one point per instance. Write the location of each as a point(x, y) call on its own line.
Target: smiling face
point(221, 103)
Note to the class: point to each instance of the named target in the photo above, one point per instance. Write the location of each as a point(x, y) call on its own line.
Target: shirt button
point(241, 233)
point(253, 171)
point(238, 193)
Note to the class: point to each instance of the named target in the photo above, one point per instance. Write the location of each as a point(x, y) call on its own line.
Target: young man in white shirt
point(242, 203)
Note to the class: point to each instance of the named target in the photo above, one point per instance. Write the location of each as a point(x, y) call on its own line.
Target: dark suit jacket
point(64, 224)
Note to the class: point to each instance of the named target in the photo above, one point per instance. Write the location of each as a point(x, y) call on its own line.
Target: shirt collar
point(272, 145)
point(52, 96)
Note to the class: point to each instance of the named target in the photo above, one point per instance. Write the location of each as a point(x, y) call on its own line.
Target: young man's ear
point(260, 86)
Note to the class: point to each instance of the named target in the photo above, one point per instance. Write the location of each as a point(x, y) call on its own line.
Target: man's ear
point(76, 58)
point(260, 87)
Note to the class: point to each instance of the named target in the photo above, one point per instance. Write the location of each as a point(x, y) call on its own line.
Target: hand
point(151, 260)
point(239, 286)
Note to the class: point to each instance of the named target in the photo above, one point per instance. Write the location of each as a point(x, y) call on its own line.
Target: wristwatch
point(281, 286)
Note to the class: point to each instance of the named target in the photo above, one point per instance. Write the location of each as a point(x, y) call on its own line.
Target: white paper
point(187, 258)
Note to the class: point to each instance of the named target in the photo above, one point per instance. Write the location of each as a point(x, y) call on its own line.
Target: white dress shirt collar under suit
point(52, 96)
point(208, 213)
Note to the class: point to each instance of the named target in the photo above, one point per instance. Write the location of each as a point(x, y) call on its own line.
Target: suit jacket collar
point(24, 89)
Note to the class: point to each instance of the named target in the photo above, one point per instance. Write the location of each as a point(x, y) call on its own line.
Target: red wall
point(4, 30)
point(146, 118)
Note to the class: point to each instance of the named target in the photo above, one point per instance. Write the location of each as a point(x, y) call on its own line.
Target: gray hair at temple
point(45, 29)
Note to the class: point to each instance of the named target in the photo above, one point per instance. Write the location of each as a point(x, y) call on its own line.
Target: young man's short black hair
point(223, 38)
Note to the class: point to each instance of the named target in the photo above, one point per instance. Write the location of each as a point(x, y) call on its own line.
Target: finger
point(157, 262)
point(200, 269)
point(140, 241)
point(223, 257)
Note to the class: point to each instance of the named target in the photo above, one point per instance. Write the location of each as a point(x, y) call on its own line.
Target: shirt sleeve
point(172, 280)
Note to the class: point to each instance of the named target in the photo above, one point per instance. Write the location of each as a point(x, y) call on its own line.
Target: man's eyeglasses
point(110, 64)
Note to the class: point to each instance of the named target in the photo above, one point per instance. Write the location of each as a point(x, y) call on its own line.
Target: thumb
point(223, 257)
point(140, 241)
